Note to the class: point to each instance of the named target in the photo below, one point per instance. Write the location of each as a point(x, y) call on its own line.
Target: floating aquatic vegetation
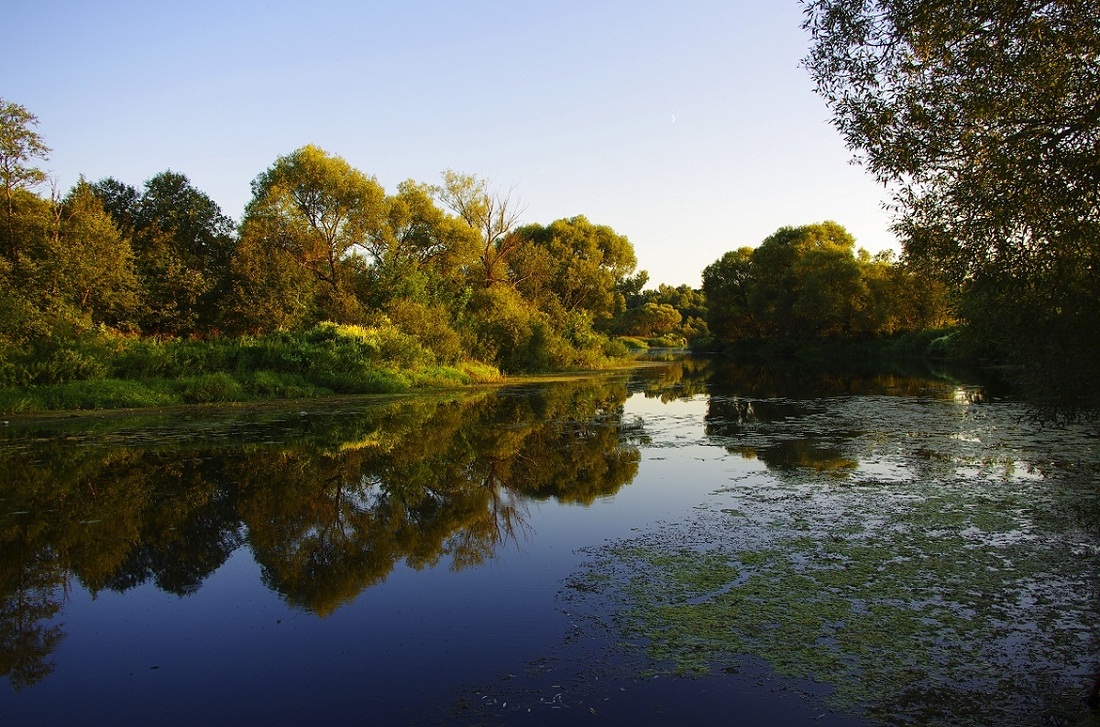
point(949, 577)
point(908, 615)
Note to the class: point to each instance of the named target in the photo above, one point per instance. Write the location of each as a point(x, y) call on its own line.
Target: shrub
point(145, 358)
point(208, 388)
point(479, 372)
point(429, 326)
point(268, 384)
point(61, 365)
point(617, 348)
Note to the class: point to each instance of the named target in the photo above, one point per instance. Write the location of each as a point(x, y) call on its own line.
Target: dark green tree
point(805, 283)
point(70, 269)
point(985, 118)
point(182, 245)
point(727, 283)
point(808, 282)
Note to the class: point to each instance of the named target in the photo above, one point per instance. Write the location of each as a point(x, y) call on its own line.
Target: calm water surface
point(459, 557)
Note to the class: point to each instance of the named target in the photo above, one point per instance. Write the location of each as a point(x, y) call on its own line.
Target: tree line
point(447, 267)
point(810, 283)
point(427, 277)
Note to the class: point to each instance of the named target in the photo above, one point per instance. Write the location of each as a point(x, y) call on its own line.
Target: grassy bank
point(109, 371)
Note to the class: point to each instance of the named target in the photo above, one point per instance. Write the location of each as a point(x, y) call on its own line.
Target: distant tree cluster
point(671, 315)
point(446, 264)
point(809, 282)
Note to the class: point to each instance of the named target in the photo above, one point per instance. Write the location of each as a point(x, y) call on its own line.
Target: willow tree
point(314, 211)
point(575, 267)
point(984, 117)
point(493, 216)
point(20, 144)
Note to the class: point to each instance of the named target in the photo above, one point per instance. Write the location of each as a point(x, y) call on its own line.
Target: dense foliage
point(119, 296)
point(668, 315)
point(91, 279)
point(809, 283)
point(984, 117)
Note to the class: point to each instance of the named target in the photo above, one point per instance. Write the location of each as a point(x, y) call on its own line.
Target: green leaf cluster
point(441, 276)
point(983, 118)
point(809, 283)
point(666, 316)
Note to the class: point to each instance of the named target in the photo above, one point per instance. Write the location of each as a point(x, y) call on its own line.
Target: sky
point(689, 127)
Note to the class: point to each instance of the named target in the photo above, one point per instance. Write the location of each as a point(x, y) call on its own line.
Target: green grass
point(111, 372)
point(97, 394)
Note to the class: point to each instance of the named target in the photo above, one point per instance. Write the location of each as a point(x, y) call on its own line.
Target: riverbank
point(100, 373)
point(112, 372)
point(942, 344)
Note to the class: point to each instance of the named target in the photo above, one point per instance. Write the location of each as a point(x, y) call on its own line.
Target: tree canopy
point(20, 144)
point(574, 265)
point(429, 276)
point(984, 118)
point(181, 243)
point(808, 282)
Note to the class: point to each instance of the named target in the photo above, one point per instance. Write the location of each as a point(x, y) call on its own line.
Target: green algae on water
point(941, 602)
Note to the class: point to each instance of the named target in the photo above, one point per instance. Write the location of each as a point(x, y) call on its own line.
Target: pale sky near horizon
point(687, 126)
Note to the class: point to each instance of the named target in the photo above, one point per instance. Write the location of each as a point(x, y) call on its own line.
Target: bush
point(209, 388)
point(618, 348)
point(479, 372)
point(272, 384)
point(429, 326)
point(145, 358)
point(68, 365)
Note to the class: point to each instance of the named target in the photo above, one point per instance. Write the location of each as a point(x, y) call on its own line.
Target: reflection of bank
point(328, 504)
point(797, 418)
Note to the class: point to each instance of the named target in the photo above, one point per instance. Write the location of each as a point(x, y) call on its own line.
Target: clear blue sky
point(687, 126)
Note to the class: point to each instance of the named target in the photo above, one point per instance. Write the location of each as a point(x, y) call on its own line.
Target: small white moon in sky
point(674, 118)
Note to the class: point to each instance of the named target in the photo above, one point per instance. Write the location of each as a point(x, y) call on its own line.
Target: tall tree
point(727, 283)
point(575, 265)
point(182, 244)
point(419, 232)
point(72, 269)
point(985, 118)
point(809, 282)
point(801, 286)
point(320, 211)
point(20, 144)
point(492, 215)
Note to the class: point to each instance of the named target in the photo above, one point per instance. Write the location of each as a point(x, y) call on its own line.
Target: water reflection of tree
point(328, 512)
point(30, 599)
point(773, 414)
point(448, 482)
point(680, 378)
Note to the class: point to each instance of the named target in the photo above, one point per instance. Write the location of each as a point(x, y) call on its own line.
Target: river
point(692, 540)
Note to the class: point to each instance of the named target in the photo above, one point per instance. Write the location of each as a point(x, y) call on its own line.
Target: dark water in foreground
point(462, 557)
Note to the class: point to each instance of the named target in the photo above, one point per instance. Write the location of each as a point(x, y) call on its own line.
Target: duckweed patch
point(943, 602)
